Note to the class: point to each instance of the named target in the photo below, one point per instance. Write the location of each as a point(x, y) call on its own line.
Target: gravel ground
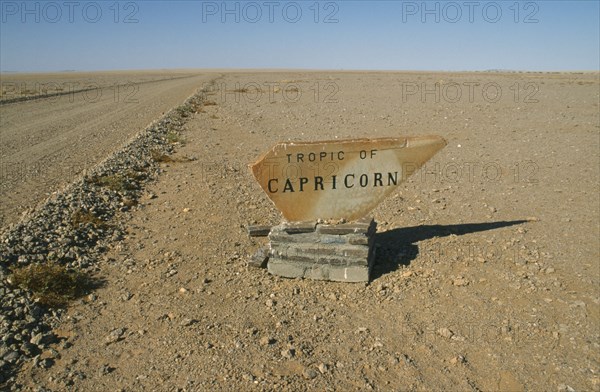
point(487, 273)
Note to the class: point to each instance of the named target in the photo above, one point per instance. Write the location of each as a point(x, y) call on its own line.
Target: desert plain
point(487, 274)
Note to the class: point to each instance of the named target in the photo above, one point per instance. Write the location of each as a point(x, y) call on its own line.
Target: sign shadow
point(398, 247)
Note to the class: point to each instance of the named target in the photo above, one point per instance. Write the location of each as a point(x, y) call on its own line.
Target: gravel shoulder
point(487, 274)
point(48, 142)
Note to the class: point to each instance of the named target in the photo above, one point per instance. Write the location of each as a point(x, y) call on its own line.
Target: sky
point(37, 36)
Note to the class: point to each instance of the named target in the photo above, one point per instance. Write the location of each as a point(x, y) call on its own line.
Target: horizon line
point(280, 69)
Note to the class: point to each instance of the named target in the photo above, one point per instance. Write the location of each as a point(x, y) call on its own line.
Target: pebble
point(460, 281)
point(266, 341)
point(323, 368)
point(445, 332)
point(45, 363)
point(114, 336)
point(187, 322)
point(12, 356)
point(309, 373)
point(565, 388)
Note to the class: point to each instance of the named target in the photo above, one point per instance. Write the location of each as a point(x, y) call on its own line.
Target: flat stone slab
point(258, 230)
point(345, 255)
point(318, 271)
point(339, 179)
point(323, 254)
point(300, 227)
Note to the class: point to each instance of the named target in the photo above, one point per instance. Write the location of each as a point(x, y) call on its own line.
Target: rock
point(52, 354)
point(187, 322)
point(460, 281)
point(565, 388)
point(105, 369)
point(46, 363)
point(267, 341)
point(248, 377)
point(458, 359)
point(260, 258)
point(323, 368)
point(29, 349)
point(37, 339)
point(288, 353)
point(309, 373)
point(115, 335)
point(11, 356)
point(445, 332)
point(258, 230)
point(42, 340)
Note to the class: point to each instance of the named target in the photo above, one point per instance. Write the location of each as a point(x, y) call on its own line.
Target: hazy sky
point(395, 35)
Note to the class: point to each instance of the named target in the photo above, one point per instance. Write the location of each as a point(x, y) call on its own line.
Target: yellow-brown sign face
point(341, 179)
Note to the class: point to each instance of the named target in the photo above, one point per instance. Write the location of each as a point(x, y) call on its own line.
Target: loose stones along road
point(341, 179)
point(48, 142)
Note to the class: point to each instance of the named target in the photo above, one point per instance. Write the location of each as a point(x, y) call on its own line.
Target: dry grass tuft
point(85, 217)
point(52, 285)
point(160, 157)
point(116, 182)
point(174, 137)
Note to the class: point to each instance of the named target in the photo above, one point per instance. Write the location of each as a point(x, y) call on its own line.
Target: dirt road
point(47, 142)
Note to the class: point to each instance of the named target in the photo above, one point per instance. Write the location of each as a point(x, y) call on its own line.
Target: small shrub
point(116, 182)
point(51, 284)
point(84, 217)
point(184, 111)
point(174, 137)
point(160, 157)
point(136, 175)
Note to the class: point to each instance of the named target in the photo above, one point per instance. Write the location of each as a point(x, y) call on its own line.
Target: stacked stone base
point(340, 252)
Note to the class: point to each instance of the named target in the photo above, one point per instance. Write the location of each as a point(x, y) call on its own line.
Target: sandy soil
point(487, 274)
point(48, 141)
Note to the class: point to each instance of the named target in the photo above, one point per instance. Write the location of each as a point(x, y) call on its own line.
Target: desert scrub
point(159, 156)
point(51, 284)
point(174, 137)
point(85, 217)
point(184, 110)
point(116, 182)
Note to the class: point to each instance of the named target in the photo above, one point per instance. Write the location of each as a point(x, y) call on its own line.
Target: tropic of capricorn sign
point(340, 179)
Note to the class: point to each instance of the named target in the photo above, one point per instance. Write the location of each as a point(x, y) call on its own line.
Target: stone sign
point(339, 179)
